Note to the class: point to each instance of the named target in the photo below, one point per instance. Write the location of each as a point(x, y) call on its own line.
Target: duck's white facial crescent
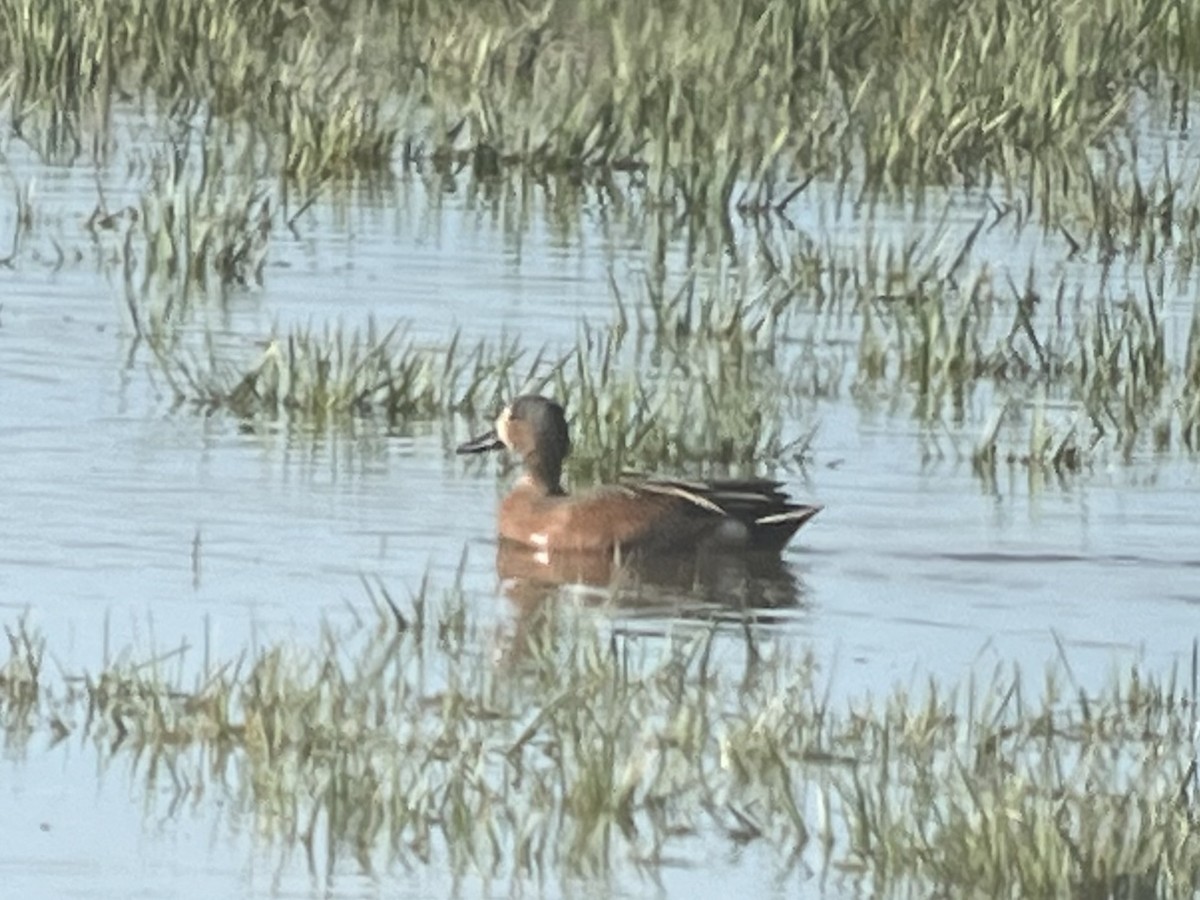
point(502, 426)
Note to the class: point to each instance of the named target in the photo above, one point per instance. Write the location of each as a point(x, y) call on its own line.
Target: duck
point(653, 515)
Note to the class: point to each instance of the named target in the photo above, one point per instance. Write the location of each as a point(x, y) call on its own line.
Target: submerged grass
point(400, 739)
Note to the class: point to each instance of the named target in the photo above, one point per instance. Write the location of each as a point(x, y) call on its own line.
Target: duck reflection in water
point(685, 584)
point(647, 542)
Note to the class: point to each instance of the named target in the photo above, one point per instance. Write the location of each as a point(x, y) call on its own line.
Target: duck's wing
point(759, 505)
point(659, 514)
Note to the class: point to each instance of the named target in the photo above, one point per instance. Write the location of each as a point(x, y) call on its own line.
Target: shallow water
point(126, 523)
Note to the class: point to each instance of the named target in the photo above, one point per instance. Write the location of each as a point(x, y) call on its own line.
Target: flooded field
point(262, 638)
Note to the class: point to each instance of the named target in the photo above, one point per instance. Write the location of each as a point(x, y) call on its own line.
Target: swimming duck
point(654, 514)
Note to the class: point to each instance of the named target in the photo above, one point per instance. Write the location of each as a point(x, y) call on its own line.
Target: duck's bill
point(481, 444)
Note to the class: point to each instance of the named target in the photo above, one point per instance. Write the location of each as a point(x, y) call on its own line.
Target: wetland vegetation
point(768, 112)
point(564, 748)
point(1035, 308)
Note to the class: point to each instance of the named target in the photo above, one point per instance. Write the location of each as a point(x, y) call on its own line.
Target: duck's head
point(535, 428)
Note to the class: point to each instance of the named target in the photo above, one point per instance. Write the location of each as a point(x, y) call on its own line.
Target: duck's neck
point(544, 474)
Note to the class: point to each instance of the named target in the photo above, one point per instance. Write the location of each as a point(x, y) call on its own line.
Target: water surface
point(129, 523)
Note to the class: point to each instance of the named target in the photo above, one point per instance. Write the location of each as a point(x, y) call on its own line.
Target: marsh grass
point(697, 383)
point(1189, 403)
point(195, 230)
point(702, 369)
point(1106, 362)
point(1057, 441)
point(199, 229)
point(320, 376)
point(20, 680)
point(937, 328)
point(332, 131)
point(398, 738)
point(728, 105)
point(716, 104)
point(1127, 209)
point(688, 376)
